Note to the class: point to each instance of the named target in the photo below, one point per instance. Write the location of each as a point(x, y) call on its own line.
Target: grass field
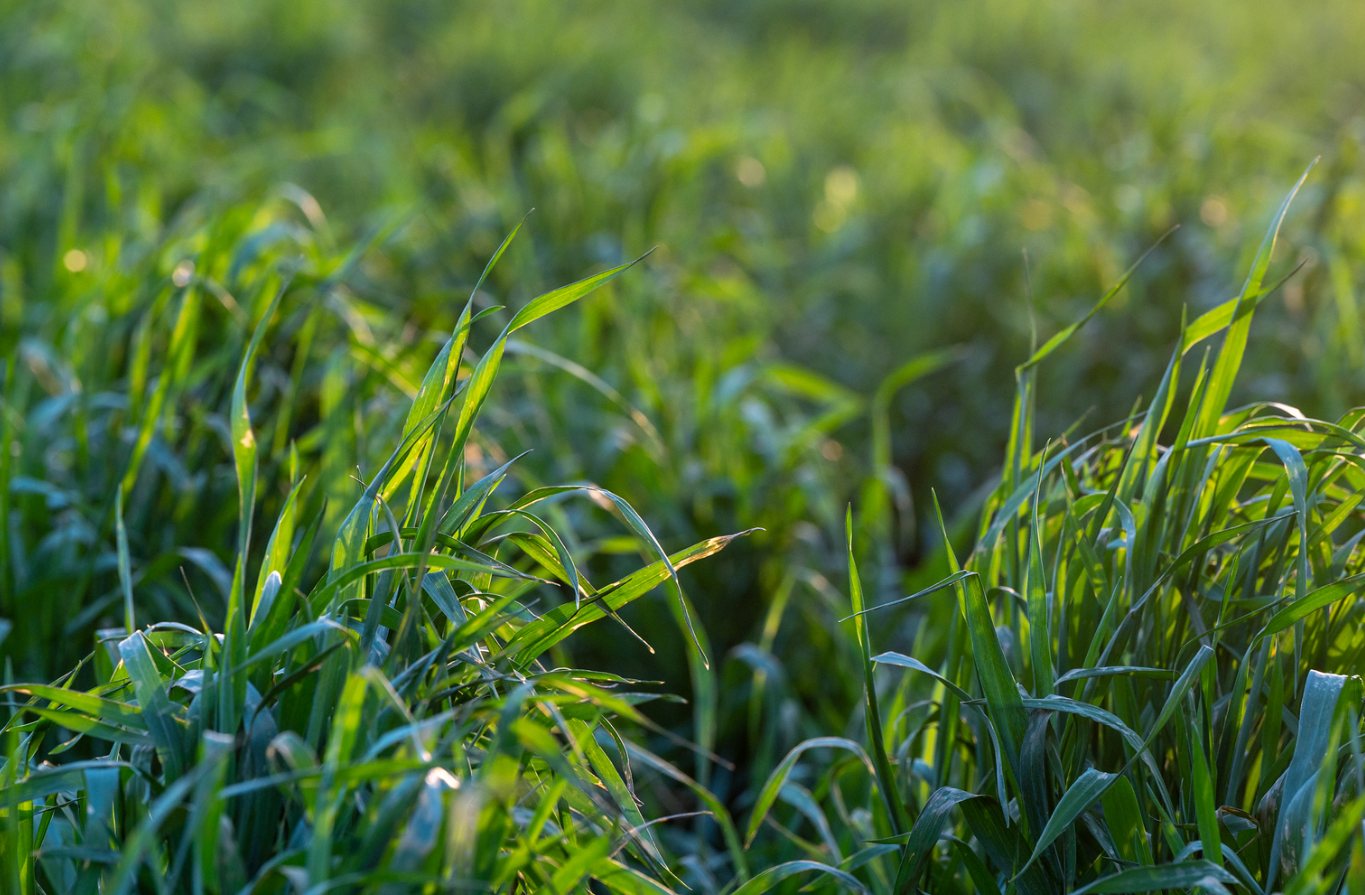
point(829, 257)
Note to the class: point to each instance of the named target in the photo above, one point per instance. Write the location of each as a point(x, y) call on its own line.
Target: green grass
point(396, 723)
point(755, 342)
point(833, 315)
point(1141, 677)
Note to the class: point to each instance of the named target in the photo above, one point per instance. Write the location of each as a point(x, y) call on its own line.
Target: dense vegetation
point(235, 245)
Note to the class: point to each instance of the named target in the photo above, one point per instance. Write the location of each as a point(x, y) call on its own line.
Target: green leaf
point(552, 627)
point(872, 713)
point(625, 880)
point(125, 575)
point(1075, 801)
point(616, 787)
point(469, 503)
point(1178, 691)
point(713, 804)
point(1112, 670)
point(568, 875)
point(104, 709)
point(326, 595)
point(933, 589)
point(292, 639)
point(1035, 595)
point(142, 841)
point(1004, 845)
point(642, 530)
point(768, 794)
point(1321, 694)
point(1318, 873)
point(243, 439)
point(769, 878)
point(1319, 599)
point(1234, 343)
point(1123, 816)
point(997, 683)
point(1201, 793)
point(924, 835)
point(1217, 319)
point(276, 560)
point(551, 301)
point(1099, 715)
point(1182, 875)
point(158, 712)
point(1066, 333)
point(84, 724)
point(893, 658)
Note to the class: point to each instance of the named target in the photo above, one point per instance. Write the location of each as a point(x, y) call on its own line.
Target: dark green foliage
point(907, 152)
point(395, 725)
point(839, 194)
point(1147, 674)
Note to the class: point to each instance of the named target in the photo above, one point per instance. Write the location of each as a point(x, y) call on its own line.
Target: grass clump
point(1144, 676)
point(395, 725)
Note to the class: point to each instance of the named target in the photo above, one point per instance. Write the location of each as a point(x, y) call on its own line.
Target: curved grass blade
point(552, 627)
point(1321, 694)
point(768, 794)
point(924, 835)
point(1074, 802)
point(769, 878)
point(1234, 343)
point(1067, 332)
point(158, 712)
point(1181, 875)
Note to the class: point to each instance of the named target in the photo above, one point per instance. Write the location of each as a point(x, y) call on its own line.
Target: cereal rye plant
point(391, 729)
point(1143, 677)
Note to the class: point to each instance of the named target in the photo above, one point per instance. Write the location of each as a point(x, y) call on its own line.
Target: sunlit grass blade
point(1183, 875)
point(767, 794)
point(1234, 343)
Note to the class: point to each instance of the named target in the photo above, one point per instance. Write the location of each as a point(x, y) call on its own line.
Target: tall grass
point(1141, 677)
point(840, 200)
point(396, 725)
point(1144, 675)
point(744, 376)
point(906, 151)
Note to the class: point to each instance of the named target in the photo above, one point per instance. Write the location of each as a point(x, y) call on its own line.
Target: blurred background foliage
point(833, 189)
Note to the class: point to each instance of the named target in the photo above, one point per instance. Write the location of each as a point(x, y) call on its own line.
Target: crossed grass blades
point(390, 728)
point(1143, 677)
point(1139, 679)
